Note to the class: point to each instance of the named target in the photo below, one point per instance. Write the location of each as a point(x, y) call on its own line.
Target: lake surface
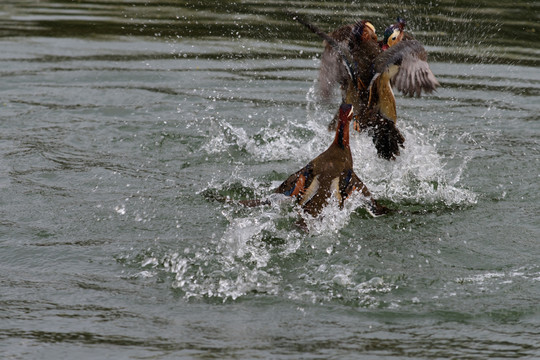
point(123, 123)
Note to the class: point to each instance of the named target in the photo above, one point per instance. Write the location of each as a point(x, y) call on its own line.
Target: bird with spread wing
point(366, 71)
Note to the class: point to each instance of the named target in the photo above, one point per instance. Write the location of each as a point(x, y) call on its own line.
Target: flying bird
point(366, 71)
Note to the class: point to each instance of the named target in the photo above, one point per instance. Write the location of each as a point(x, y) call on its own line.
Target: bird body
point(330, 174)
point(366, 71)
point(361, 42)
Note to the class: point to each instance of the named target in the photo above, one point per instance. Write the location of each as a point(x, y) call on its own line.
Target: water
point(122, 123)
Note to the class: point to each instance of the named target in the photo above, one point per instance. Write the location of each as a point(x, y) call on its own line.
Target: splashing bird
point(366, 71)
point(329, 174)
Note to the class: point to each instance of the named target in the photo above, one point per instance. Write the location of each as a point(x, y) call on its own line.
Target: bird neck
point(342, 133)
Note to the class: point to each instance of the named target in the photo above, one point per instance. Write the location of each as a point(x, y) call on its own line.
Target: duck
point(360, 40)
point(366, 70)
point(330, 174)
point(394, 33)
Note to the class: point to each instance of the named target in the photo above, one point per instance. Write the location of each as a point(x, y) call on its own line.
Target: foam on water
point(333, 218)
point(218, 272)
point(271, 143)
point(244, 259)
point(418, 175)
point(234, 264)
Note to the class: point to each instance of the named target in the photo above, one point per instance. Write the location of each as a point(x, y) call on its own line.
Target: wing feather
point(310, 191)
point(296, 184)
point(414, 74)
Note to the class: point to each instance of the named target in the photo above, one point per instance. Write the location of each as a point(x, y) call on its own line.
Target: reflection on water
point(123, 124)
point(467, 31)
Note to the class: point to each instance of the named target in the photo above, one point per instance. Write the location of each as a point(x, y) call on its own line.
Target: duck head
point(342, 131)
point(364, 31)
point(394, 33)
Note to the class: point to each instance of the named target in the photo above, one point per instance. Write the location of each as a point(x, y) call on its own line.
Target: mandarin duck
point(329, 174)
point(394, 34)
point(366, 71)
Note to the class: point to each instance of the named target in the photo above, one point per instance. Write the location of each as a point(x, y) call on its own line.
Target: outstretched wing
point(332, 70)
point(405, 65)
point(297, 184)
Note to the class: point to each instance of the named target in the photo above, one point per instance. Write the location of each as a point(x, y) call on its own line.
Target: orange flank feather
point(299, 185)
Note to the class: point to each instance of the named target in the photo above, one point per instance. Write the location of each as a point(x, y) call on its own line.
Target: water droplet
point(120, 209)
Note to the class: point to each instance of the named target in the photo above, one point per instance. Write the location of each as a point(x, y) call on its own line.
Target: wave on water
point(237, 263)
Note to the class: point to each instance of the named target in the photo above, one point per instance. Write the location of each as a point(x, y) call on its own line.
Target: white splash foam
point(417, 175)
point(333, 218)
point(237, 241)
point(269, 144)
point(120, 209)
point(238, 262)
point(235, 264)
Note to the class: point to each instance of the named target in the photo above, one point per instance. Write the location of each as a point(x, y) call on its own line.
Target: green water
point(123, 122)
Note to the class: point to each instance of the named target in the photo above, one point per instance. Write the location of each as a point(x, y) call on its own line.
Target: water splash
point(272, 143)
point(247, 258)
point(239, 262)
point(333, 218)
point(418, 175)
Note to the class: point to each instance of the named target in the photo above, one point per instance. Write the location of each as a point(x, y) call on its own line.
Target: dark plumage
point(366, 72)
point(329, 174)
point(359, 42)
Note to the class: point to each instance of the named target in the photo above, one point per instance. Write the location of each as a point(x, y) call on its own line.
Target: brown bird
point(329, 174)
point(366, 72)
point(360, 40)
point(405, 67)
